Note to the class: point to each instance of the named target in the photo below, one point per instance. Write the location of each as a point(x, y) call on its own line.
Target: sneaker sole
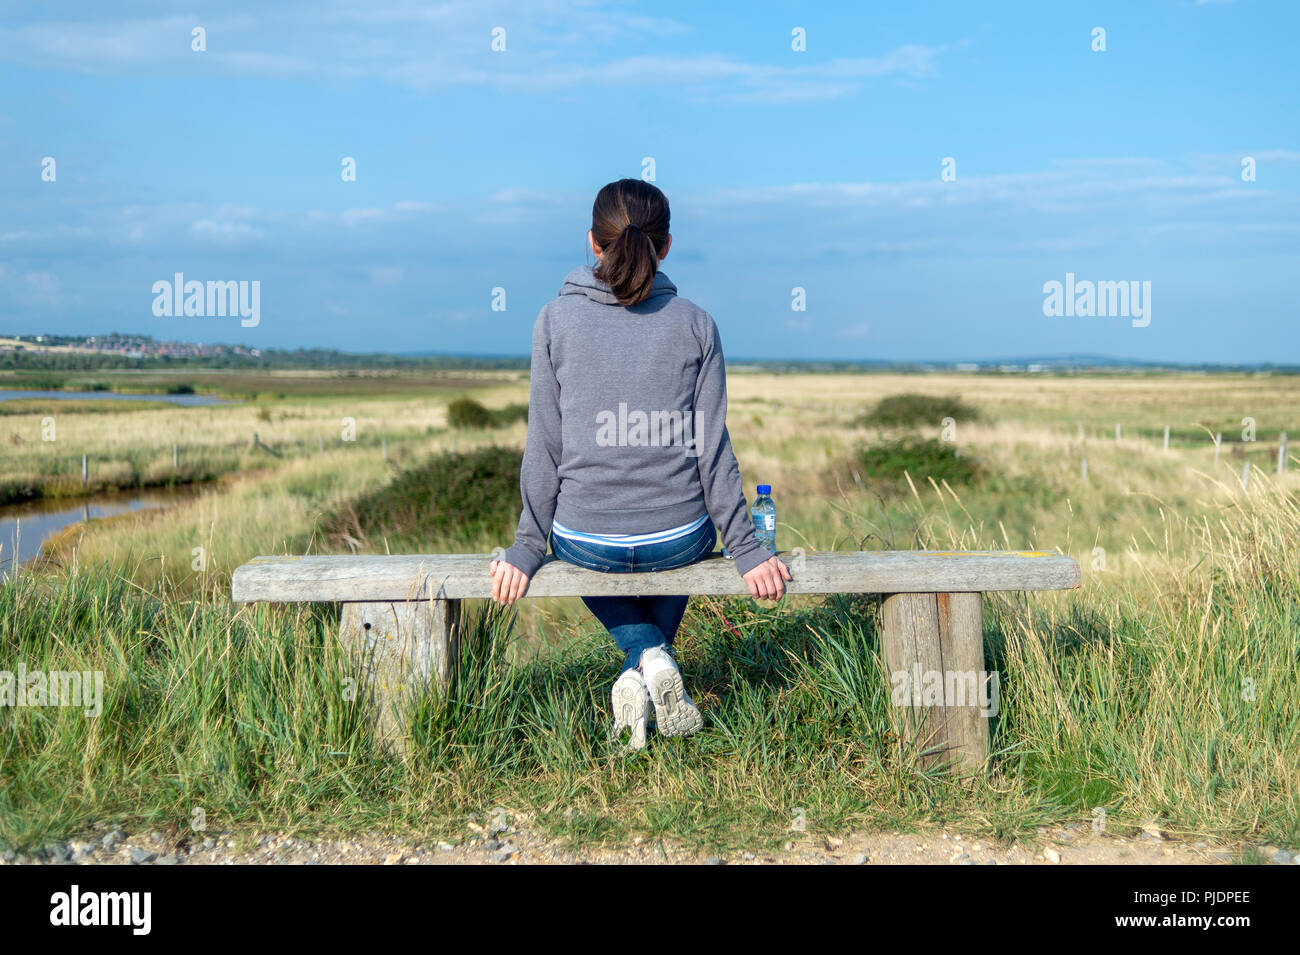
point(674, 714)
point(630, 711)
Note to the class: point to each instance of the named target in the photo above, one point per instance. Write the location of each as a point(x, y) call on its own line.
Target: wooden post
point(1218, 441)
point(934, 644)
point(176, 456)
point(1166, 437)
point(399, 648)
point(85, 470)
point(1281, 454)
point(1245, 478)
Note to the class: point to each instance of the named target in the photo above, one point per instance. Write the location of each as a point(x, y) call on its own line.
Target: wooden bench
point(401, 613)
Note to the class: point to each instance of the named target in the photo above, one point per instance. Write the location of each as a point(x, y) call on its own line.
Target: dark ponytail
point(629, 222)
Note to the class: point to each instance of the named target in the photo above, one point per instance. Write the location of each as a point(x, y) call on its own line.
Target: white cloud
point(551, 45)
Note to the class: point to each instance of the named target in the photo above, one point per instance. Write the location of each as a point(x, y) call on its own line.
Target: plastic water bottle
point(764, 515)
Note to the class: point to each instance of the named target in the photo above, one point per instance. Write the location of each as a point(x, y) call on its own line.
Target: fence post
point(176, 456)
point(85, 471)
point(1166, 437)
point(1218, 440)
point(1245, 477)
point(1281, 454)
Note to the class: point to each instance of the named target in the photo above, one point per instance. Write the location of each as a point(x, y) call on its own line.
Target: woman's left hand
point(509, 583)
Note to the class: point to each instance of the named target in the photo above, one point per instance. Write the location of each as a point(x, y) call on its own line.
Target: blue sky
point(818, 169)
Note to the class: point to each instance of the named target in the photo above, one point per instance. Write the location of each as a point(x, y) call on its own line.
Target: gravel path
point(497, 838)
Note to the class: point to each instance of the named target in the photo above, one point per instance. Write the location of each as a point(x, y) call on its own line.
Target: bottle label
point(769, 521)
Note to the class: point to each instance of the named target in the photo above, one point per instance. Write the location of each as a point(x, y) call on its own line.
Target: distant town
point(127, 346)
point(117, 350)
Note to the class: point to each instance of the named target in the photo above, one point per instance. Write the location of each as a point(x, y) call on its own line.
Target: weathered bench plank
point(376, 578)
point(401, 616)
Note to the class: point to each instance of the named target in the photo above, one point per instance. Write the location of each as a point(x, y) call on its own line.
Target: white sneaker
point(631, 705)
point(675, 712)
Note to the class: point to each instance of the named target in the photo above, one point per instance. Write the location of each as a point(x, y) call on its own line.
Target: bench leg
point(399, 648)
point(934, 654)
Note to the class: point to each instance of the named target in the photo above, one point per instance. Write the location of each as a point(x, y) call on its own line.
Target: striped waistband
point(629, 540)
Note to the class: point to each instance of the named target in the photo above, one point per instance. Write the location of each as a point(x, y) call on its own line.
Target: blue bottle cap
point(765, 489)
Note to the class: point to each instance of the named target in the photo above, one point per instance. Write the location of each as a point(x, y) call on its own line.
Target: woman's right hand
point(509, 583)
point(765, 581)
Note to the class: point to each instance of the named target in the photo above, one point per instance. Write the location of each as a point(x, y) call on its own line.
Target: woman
point(628, 465)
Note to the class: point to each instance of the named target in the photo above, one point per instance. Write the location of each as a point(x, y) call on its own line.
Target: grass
point(129, 444)
point(1162, 690)
point(909, 409)
point(453, 497)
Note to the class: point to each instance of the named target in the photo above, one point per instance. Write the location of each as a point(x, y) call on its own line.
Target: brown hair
point(629, 222)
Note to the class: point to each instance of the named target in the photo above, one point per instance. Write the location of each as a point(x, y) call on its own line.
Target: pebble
point(393, 858)
point(57, 852)
point(1052, 856)
point(499, 821)
point(111, 840)
point(491, 845)
point(169, 860)
point(860, 859)
point(714, 860)
point(1281, 857)
point(156, 838)
point(446, 846)
point(748, 856)
point(8, 855)
point(504, 853)
point(141, 856)
point(83, 851)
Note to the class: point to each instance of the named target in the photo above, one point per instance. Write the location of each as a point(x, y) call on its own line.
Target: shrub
point(907, 410)
point(468, 413)
point(510, 414)
point(885, 466)
point(450, 497)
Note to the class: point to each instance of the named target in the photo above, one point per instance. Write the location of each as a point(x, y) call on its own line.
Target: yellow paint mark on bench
point(985, 553)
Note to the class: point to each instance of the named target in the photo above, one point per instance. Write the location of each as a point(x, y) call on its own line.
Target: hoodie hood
point(583, 281)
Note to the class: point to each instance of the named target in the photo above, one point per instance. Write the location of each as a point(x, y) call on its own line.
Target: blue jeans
point(638, 623)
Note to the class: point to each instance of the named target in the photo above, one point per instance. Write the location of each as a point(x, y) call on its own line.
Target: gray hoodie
point(627, 415)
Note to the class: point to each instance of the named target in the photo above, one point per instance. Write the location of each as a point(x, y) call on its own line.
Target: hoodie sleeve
point(539, 481)
point(719, 471)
